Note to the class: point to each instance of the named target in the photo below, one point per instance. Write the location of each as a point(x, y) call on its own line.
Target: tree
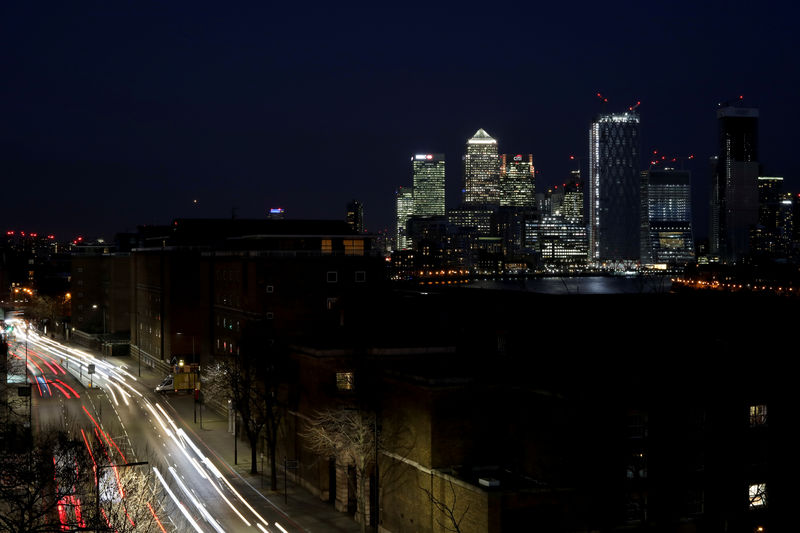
point(253, 381)
point(73, 484)
point(452, 517)
point(349, 436)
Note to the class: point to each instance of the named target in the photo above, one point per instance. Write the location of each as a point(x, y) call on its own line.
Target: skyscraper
point(572, 206)
point(355, 216)
point(734, 189)
point(481, 171)
point(428, 173)
point(404, 204)
point(666, 217)
point(517, 181)
point(614, 187)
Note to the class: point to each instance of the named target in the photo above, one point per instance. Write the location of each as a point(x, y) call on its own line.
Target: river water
point(647, 284)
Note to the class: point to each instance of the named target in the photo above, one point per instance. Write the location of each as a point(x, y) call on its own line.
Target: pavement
point(304, 509)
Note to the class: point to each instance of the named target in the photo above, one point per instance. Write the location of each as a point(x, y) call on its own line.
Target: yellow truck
point(183, 378)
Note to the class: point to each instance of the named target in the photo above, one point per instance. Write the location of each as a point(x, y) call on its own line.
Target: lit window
point(344, 380)
point(327, 246)
point(758, 415)
point(353, 246)
point(332, 277)
point(330, 303)
point(757, 495)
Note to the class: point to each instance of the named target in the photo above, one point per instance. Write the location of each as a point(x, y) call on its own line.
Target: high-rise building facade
point(517, 181)
point(572, 205)
point(428, 173)
point(404, 209)
point(481, 171)
point(614, 187)
point(666, 217)
point(734, 189)
point(355, 216)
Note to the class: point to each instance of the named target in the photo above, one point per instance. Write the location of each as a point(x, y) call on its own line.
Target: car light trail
point(177, 502)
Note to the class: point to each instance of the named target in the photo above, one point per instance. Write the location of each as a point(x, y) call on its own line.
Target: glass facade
point(560, 241)
point(517, 181)
point(666, 219)
point(428, 171)
point(734, 190)
point(404, 204)
point(614, 187)
point(481, 171)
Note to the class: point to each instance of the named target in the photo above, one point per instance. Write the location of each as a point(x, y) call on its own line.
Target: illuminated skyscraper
point(428, 170)
point(404, 204)
point(734, 189)
point(517, 181)
point(572, 206)
point(614, 187)
point(666, 217)
point(481, 171)
point(355, 216)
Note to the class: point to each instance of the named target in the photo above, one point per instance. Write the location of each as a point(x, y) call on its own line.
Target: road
point(198, 492)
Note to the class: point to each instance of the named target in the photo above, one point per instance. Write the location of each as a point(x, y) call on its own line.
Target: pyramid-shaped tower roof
point(481, 137)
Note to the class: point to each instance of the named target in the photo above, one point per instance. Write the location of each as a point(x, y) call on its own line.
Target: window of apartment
point(758, 415)
point(344, 381)
point(327, 246)
point(270, 289)
point(331, 302)
point(757, 495)
point(695, 502)
point(270, 315)
point(79, 270)
point(361, 276)
point(332, 276)
point(353, 246)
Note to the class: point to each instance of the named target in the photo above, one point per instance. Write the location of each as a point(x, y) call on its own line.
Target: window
point(270, 289)
point(330, 303)
point(344, 381)
point(757, 495)
point(270, 315)
point(327, 246)
point(758, 415)
point(353, 246)
point(332, 276)
point(361, 276)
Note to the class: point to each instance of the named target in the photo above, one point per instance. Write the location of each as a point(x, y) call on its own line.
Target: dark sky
point(117, 114)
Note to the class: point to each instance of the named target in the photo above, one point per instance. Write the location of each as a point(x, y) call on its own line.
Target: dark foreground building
point(518, 421)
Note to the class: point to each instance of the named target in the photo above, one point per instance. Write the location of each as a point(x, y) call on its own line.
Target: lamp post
point(97, 486)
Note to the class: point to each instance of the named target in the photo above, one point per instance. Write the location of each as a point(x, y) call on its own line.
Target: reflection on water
point(646, 284)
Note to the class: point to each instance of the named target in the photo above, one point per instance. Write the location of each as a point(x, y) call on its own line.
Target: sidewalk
point(305, 511)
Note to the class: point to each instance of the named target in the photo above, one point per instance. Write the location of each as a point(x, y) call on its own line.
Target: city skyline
point(116, 116)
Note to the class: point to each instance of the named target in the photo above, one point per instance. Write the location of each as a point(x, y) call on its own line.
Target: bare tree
point(451, 517)
point(349, 436)
point(73, 484)
point(252, 380)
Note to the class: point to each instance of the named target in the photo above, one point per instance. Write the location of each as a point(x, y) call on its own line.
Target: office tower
point(560, 242)
point(404, 204)
point(614, 187)
point(666, 217)
point(428, 173)
point(572, 205)
point(765, 237)
point(481, 171)
point(517, 181)
point(355, 216)
point(734, 190)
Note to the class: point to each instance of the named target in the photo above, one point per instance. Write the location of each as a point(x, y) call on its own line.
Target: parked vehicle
point(183, 378)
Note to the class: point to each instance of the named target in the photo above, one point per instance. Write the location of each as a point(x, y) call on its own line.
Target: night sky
point(118, 114)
